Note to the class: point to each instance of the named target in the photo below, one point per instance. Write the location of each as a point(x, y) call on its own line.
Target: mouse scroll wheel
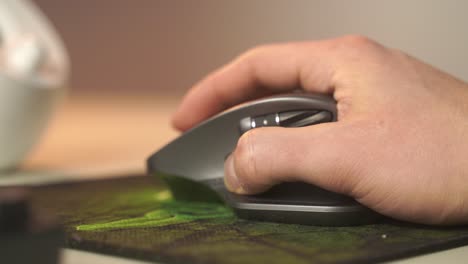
point(286, 119)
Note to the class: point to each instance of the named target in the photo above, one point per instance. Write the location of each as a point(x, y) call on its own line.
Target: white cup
point(33, 76)
point(24, 112)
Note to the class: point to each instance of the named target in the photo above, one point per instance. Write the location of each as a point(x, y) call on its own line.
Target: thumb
point(267, 156)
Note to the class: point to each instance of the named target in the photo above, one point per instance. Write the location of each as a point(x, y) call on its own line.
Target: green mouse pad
point(137, 218)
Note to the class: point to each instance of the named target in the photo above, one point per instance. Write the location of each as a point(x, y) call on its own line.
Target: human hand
point(400, 145)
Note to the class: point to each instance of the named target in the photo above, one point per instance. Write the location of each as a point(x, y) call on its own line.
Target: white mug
point(34, 70)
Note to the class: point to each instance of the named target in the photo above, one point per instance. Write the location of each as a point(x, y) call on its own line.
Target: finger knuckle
point(359, 41)
point(249, 59)
point(265, 50)
point(402, 57)
point(246, 157)
point(358, 46)
point(257, 50)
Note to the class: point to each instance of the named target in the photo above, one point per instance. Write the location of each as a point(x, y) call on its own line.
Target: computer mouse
point(193, 164)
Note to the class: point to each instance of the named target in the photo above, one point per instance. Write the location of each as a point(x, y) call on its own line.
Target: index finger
point(258, 72)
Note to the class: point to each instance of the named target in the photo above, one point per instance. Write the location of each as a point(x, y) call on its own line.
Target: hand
point(400, 145)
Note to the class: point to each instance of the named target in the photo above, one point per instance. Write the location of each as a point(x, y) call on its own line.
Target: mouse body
point(193, 164)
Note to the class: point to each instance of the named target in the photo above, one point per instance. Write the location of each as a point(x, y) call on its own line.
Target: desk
point(102, 136)
point(102, 131)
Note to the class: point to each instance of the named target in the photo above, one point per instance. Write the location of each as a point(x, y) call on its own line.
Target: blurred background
point(163, 46)
point(133, 60)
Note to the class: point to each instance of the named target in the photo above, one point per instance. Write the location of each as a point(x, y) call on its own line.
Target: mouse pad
point(136, 217)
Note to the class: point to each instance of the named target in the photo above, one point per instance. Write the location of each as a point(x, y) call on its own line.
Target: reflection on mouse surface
point(193, 164)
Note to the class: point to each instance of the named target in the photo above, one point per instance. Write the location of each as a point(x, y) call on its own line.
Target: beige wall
point(164, 46)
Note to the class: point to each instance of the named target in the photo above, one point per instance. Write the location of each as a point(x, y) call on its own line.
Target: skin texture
point(400, 145)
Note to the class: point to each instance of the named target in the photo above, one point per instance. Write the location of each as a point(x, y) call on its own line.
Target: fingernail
point(230, 178)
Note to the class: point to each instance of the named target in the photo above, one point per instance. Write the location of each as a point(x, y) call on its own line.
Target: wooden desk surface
point(91, 131)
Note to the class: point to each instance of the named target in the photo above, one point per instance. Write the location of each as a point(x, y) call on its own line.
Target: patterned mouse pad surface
point(136, 217)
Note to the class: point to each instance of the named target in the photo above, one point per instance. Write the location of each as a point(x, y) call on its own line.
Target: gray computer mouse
point(193, 164)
